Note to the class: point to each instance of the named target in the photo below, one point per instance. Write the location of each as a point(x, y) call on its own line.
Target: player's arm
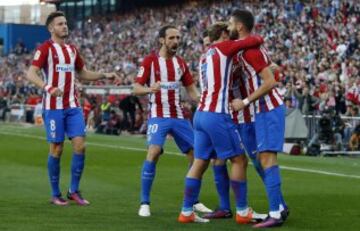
point(142, 78)
point(193, 92)
point(188, 82)
point(33, 76)
point(139, 89)
point(232, 47)
point(87, 75)
point(258, 60)
point(268, 83)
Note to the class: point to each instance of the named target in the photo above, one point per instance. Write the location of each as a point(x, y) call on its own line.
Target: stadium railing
point(312, 122)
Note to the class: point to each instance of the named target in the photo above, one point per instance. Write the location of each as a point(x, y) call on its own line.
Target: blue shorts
point(180, 129)
point(216, 133)
point(58, 122)
point(248, 138)
point(270, 130)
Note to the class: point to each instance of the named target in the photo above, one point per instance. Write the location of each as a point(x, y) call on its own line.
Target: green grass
point(111, 182)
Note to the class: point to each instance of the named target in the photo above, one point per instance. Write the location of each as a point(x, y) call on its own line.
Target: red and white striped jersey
point(171, 73)
point(239, 90)
point(215, 73)
point(58, 64)
point(253, 62)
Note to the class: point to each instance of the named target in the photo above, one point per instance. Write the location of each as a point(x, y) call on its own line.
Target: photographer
point(330, 130)
point(307, 102)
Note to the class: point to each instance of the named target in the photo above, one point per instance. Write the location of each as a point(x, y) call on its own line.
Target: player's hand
point(111, 75)
point(155, 87)
point(55, 92)
point(114, 77)
point(237, 104)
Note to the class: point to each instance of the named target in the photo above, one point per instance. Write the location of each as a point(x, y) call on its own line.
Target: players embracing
point(257, 92)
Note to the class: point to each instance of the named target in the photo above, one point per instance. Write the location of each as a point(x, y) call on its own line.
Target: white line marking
point(179, 154)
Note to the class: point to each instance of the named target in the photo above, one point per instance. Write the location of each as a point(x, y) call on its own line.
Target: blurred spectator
point(105, 110)
point(307, 102)
point(351, 124)
point(3, 108)
point(354, 144)
point(128, 106)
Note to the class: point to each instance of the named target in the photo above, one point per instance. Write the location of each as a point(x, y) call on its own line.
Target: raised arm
point(232, 47)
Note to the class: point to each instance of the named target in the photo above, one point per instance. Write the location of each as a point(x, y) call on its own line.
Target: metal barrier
point(312, 122)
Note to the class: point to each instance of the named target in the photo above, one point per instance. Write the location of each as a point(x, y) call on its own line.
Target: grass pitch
point(323, 193)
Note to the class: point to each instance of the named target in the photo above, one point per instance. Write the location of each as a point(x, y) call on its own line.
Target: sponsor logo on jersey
point(65, 68)
point(169, 85)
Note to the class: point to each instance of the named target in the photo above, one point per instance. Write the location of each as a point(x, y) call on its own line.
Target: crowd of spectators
point(316, 44)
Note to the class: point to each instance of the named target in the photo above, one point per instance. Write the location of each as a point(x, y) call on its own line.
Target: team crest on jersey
point(37, 55)
point(141, 71)
point(72, 54)
point(179, 71)
point(210, 52)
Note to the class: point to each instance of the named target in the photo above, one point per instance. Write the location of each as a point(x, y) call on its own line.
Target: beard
point(172, 50)
point(63, 35)
point(234, 34)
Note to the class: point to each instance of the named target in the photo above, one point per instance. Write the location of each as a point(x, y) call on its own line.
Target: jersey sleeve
point(187, 78)
point(143, 75)
point(257, 58)
point(231, 47)
point(40, 56)
point(79, 61)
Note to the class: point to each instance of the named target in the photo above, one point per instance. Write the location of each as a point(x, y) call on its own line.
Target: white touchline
point(179, 154)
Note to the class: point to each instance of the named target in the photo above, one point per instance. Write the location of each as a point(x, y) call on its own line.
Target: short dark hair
point(245, 17)
point(162, 31)
point(52, 16)
point(216, 29)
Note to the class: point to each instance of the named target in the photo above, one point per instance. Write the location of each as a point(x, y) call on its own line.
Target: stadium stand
point(316, 45)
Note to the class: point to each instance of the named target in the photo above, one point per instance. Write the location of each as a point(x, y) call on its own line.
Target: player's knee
point(198, 168)
point(268, 160)
point(79, 148)
point(56, 149)
point(218, 162)
point(154, 152)
point(240, 161)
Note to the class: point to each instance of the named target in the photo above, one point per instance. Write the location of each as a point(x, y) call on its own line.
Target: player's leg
point(270, 129)
point(244, 213)
point(54, 158)
point(54, 127)
point(75, 130)
point(203, 151)
point(222, 183)
point(183, 134)
point(228, 146)
point(156, 135)
point(248, 138)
